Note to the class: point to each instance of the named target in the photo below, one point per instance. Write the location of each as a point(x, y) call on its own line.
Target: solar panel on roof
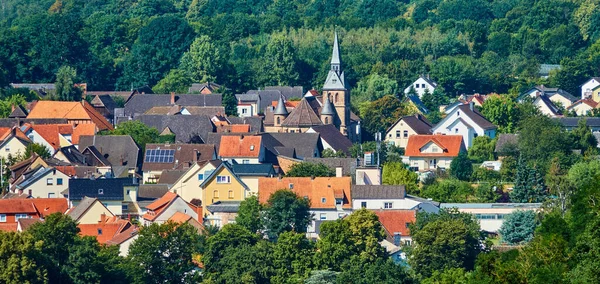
point(159, 156)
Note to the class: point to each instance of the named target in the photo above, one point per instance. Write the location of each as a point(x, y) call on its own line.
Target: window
point(434, 149)
point(335, 98)
point(2, 218)
point(49, 181)
point(457, 113)
point(51, 195)
point(99, 232)
point(278, 120)
point(216, 194)
point(338, 201)
point(251, 147)
point(387, 205)
point(230, 194)
point(100, 191)
point(128, 191)
point(363, 204)
point(455, 130)
point(326, 120)
point(291, 186)
point(200, 176)
point(423, 86)
point(397, 133)
point(397, 239)
point(334, 81)
point(341, 215)
point(124, 207)
point(323, 200)
point(405, 133)
point(407, 242)
point(416, 86)
point(20, 216)
point(223, 179)
point(7, 149)
point(30, 192)
point(244, 111)
point(323, 216)
point(59, 181)
point(245, 161)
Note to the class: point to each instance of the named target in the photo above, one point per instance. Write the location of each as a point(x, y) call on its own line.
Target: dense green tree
point(461, 167)
point(373, 87)
point(229, 102)
point(19, 254)
point(529, 185)
point(380, 114)
point(518, 227)
point(65, 84)
point(503, 112)
point(306, 169)
point(329, 153)
point(7, 105)
point(231, 236)
point(482, 149)
point(202, 62)
point(379, 271)
point(446, 240)
point(278, 68)
point(292, 257)
point(322, 277)
point(448, 190)
point(582, 136)
point(139, 132)
point(163, 253)
point(541, 139)
point(285, 211)
point(176, 81)
point(249, 214)
point(38, 149)
point(395, 173)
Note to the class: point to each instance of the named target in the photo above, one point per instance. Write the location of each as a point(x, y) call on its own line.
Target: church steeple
point(336, 63)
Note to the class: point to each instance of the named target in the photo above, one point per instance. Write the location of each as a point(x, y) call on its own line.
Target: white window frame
point(21, 216)
point(49, 181)
point(223, 179)
point(323, 216)
point(2, 218)
point(388, 205)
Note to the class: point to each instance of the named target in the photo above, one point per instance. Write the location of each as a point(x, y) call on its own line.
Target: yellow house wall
point(188, 186)
point(401, 141)
point(223, 189)
point(92, 216)
point(14, 146)
point(596, 95)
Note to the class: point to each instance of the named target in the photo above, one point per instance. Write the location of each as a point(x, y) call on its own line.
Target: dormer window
point(251, 147)
point(99, 232)
point(100, 191)
point(291, 186)
point(334, 81)
point(323, 200)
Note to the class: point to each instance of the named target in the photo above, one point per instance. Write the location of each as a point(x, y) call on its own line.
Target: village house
point(405, 127)
point(432, 152)
point(466, 121)
point(242, 149)
point(42, 182)
point(223, 185)
point(161, 210)
point(490, 216)
point(89, 211)
point(11, 210)
point(420, 86)
point(388, 197)
point(119, 150)
point(188, 184)
point(588, 87)
point(583, 107)
point(555, 95)
point(76, 113)
point(13, 142)
point(118, 195)
point(160, 157)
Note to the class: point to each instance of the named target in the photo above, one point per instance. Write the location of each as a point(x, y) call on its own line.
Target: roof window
point(100, 191)
point(251, 147)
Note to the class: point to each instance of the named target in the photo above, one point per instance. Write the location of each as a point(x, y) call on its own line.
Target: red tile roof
point(317, 190)
point(69, 110)
point(47, 206)
point(155, 208)
point(17, 206)
point(105, 230)
point(240, 128)
point(395, 221)
point(180, 217)
point(240, 146)
point(450, 144)
point(10, 227)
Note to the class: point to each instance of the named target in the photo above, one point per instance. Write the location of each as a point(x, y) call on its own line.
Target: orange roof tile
point(451, 145)
point(69, 110)
point(240, 128)
point(17, 206)
point(10, 227)
point(322, 191)
point(240, 146)
point(180, 217)
point(50, 132)
point(396, 221)
point(4, 132)
point(106, 230)
point(47, 206)
point(83, 129)
point(155, 208)
point(124, 235)
point(67, 170)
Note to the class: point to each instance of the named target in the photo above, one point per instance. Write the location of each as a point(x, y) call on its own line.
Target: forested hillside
point(466, 45)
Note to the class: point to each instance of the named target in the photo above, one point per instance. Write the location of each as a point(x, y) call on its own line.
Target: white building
point(388, 197)
point(432, 152)
point(421, 84)
point(466, 121)
point(588, 86)
point(491, 215)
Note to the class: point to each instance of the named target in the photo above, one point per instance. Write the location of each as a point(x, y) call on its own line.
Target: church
point(331, 107)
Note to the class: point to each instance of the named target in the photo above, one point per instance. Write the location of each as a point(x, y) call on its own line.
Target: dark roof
point(224, 207)
point(302, 116)
point(550, 92)
point(504, 140)
point(280, 109)
point(170, 176)
point(119, 150)
point(139, 104)
point(551, 106)
point(187, 128)
point(10, 122)
point(417, 122)
point(476, 116)
point(18, 112)
point(73, 155)
point(93, 151)
point(428, 80)
point(304, 144)
point(348, 164)
point(152, 191)
point(256, 123)
point(112, 188)
point(287, 91)
point(378, 191)
point(105, 101)
point(271, 94)
point(418, 103)
point(197, 87)
point(35, 177)
point(253, 170)
point(334, 137)
point(571, 122)
point(184, 156)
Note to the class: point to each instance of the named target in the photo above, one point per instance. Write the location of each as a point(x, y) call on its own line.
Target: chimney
point(102, 218)
point(338, 172)
point(195, 155)
point(12, 107)
point(471, 105)
point(172, 98)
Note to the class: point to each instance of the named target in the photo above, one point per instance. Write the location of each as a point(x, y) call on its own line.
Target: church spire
point(335, 56)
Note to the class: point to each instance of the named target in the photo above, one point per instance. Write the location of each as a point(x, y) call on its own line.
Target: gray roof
point(112, 188)
point(378, 191)
point(119, 150)
point(551, 106)
point(224, 207)
point(302, 116)
point(81, 208)
point(270, 94)
point(265, 170)
point(73, 155)
point(139, 104)
point(304, 144)
point(248, 97)
point(10, 122)
point(36, 176)
point(256, 123)
point(550, 92)
point(152, 191)
point(287, 91)
point(170, 176)
point(281, 109)
point(197, 87)
point(334, 137)
point(348, 164)
point(476, 117)
point(187, 128)
point(504, 140)
point(491, 205)
point(335, 54)
point(417, 102)
point(18, 112)
point(417, 122)
point(571, 122)
point(428, 80)
point(327, 108)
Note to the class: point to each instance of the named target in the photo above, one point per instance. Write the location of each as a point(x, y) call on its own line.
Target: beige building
point(188, 185)
point(405, 127)
point(44, 183)
point(89, 211)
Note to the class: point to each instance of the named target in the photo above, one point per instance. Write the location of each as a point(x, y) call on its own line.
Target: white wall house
point(246, 110)
point(583, 107)
point(405, 127)
point(491, 215)
point(432, 152)
point(588, 86)
point(44, 183)
point(420, 85)
point(388, 197)
point(466, 121)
